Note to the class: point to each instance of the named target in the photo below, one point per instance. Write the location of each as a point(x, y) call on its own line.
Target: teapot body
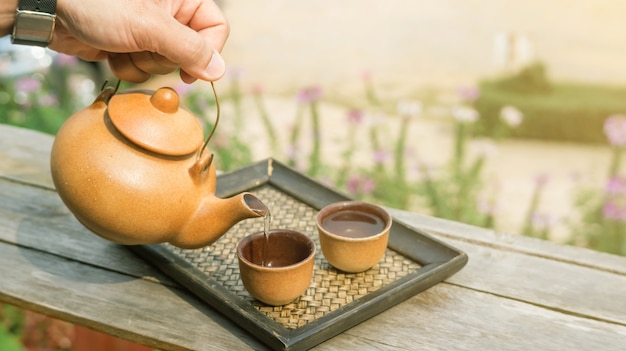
point(127, 191)
point(114, 187)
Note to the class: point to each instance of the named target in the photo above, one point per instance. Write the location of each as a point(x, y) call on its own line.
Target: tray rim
point(438, 261)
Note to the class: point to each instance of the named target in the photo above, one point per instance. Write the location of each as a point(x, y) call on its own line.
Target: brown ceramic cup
point(353, 234)
point(280, 274)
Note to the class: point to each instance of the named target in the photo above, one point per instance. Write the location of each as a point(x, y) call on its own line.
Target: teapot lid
point(155, 122)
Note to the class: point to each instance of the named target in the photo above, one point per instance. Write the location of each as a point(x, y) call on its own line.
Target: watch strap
point(47, 6)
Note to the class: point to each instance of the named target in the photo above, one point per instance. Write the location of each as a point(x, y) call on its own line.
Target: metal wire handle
point(217, 119)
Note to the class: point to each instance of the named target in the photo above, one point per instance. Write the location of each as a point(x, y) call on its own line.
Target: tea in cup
point(276, 269)
point(353, 234)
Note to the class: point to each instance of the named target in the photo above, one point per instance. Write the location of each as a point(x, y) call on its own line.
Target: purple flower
point(615, 130)
point(309, 95)
point(66, 60)
point(28, 85)
point(468, 94)
point(609, 210)
point(616, 186)
point(235, 73)
point(355, 116)
point(221, 141)
point(291, 152)
point(615, 206)
point(359, 185)
point(614, 211)
point(575, 176)
point(381, 156)
point(367, 186)
point(542, 221)
point(487, 206)
point(367, 76)
point(353, 185)
point(257, 89)
point(541, 180)
point(48, 100)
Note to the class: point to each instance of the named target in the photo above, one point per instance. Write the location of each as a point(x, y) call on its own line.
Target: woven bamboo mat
point(329, 289)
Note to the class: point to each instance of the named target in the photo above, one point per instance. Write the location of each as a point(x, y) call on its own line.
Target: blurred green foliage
point(552, 111)
point(11, 326)
point(43, 100)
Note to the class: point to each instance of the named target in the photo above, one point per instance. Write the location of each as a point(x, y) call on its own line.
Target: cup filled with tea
point(276, 266)
point(353, 234)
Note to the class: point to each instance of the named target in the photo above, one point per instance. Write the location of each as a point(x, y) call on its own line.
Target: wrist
point(8, 9)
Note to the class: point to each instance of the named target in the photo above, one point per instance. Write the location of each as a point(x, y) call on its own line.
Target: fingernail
point(216, 68)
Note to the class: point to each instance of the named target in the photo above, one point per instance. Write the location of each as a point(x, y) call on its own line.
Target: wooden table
point(515, 293)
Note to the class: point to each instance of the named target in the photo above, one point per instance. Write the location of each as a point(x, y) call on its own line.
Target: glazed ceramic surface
point(132, 168)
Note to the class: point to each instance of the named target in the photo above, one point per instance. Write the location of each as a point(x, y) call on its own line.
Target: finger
point(214, 71)
point(192, 43)
point(186, 77)
point(123, 68)
point(194, 55)
point(210, 22)
point(152, 63)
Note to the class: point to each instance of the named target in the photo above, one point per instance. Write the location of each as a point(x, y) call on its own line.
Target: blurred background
point(408, 45)
point(498, 113)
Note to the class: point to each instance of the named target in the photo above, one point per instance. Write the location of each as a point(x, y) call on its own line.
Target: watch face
point(33, 28)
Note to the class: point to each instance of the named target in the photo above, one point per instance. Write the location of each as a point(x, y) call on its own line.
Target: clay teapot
point(133, 168)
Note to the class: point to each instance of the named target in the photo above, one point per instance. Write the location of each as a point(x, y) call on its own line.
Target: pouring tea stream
point(133, 167)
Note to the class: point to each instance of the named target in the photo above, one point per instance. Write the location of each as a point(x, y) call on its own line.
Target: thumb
point(213, 71)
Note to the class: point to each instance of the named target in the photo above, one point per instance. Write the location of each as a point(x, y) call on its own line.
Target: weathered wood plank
point(514, 243)
point(121, 305)
point(440, 318)
point(25, 154)
point(565, 278)
point(36, 218)
point(446, 317)
point(556, 285)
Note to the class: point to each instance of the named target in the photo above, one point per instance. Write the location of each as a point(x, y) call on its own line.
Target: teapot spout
point(215, 217)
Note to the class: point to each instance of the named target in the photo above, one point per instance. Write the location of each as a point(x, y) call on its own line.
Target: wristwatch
point(34, 22)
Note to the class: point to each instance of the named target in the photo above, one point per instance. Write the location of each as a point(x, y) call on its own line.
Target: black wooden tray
point(335, 301)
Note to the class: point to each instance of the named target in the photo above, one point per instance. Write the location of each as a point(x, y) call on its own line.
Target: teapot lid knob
point(154, 121)
point(165, 100)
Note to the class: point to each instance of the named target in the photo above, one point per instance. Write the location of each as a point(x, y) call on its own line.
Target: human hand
point(144, 37)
